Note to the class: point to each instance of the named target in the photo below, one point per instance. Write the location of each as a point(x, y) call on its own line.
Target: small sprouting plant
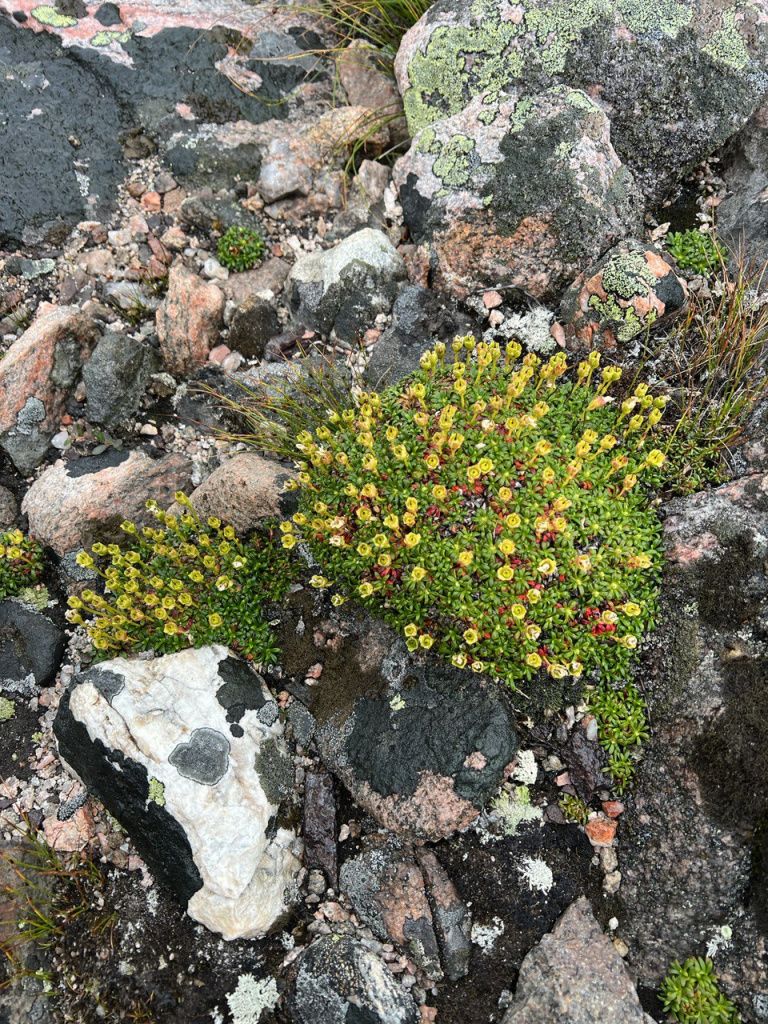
point(183, 583)
point(622, 727)
point(696, 251)
point(690, 993)
point(574, 809)
point(240, 248)
point(492, 510)
point(21, 563)
point(381, 22)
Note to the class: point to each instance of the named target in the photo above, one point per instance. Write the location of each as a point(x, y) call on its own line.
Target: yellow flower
point(418, 573)
point(365, 589)
point(411, 539)
point(432, 461)
point(83, 559)
point(485, 465)
point(583, 563)
point(460, 386)
point(655, 458)
point(505, 573)
point(368, 491)
point(459, 660)
point(513, 521)
point(576, 669)
point(364, 550)
point(215, 620)
point(400, 452)
point(609, 618)
point(288, 541)
point(557, 671)
point(370, 463)
point(465, 558)
point(411, 629)
point(473, 473)
point(223, 583)
point(412, 505)
point(542, 447)
point(409, 519)
point(478, 666)
point(337, 600)
point(507, 546)
point(471, 636)
point(505, 494)
point(532, 632)
point(391, 433)
point(300, 519)
point(548, 475)
point(533, 660)
point(639, 562)
point(392, 522)
point(630, 608)
point(319, 582)
point(547, 566)
point(286, 527)
point(196, 576)
point(439, 492)
point(338, 541)
point(518, 611)
point(381, 540)
point(425, 641)
point(170, 628)
point(630, 642)
point(384, 561)
point(214, 522)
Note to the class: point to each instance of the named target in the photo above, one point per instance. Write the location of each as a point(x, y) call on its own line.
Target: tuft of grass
point(691, 994)
point(381, 22)
point(622, 728)
point(271, 413)
point(719, 351)
point(574, 809)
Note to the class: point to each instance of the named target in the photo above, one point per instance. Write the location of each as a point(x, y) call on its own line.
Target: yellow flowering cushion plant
point(183, 583)
point(21, 563)
point(511, 502)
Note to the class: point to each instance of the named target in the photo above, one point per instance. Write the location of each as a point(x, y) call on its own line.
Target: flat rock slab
point(187, 752)
point(31, 648)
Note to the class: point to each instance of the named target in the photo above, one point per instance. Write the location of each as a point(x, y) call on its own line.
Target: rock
point(37, 374)
point(400, 731)
point(31, 649)
point(386, 888)
point(244, 491)
point(9, 507)
point(523, 199)
point(189, 320)
point(742, 217)
point(269, 276)
point(360, 69)
point(676, 80)
point(341, 290)
point(181, 752)
point(77, 501)
point(338, 981)
point(116, 377)
point(319, 826)
point(575, 975)
point(206, 212)
point(420, 317)
point(629, 292)
point(585, 759)
point(689, 861)
point(450, 916)
point(254, 323)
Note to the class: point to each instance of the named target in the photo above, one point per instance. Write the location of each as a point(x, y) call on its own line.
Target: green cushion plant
point(21, 563)
point(183, 583)
point(240, 248)
point(492, 509)
point(690, 993)
point(693, 250)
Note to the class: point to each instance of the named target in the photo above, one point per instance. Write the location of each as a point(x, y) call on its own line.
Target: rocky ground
point(360, 834)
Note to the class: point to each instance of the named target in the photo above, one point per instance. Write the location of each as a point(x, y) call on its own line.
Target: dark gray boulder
point(116, 377)
point(31, 649)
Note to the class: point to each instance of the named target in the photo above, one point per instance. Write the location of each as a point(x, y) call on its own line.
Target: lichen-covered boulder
point(187, 752)
point(626, 294)
point(675, 77)
point(521, 194)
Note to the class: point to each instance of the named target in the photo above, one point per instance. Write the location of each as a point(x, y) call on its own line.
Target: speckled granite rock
point(523, 200)
point(575, 976)
point(186, 751)
point(338, 981)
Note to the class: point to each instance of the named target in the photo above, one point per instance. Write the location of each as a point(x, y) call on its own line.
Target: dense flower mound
point(21, 563)
point(183, 583)
point(240, 248)
point(492, 509)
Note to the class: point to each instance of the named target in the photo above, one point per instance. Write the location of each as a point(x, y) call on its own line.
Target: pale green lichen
point(651, 16)
point(48, 15)
point(559, 26)
point(36, 598)
point(514, 810)
point(727, 46)
point(7, 709)
point(625, 321)
point(251, 998)
point(106, 38)
point(627, 275)
point(156, 791)
point(453, 165)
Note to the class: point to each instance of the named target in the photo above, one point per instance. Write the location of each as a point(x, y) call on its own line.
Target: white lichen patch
point(486, 935)
point(720, 940)
point(525, 771)
point(537, 874)
point(511, 810)
point(251, 998)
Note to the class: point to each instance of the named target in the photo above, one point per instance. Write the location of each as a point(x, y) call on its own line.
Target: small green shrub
point(492, 510)
point(21, 563)
point(574, 809)
point(691, 994)
point(183, 583)
point(696, 251)
point(622, 727)
point(240, 248)
point(381, 22)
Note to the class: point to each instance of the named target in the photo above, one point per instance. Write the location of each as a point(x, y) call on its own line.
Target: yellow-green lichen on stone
point(7, 709)
point(453, 165)
point(156, 791)
point(48, 15)
point(650, 16)
point(106, 38)
point(727, 45)
point(628, 275)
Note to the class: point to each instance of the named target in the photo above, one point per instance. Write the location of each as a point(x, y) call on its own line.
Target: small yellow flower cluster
point(181, 583)
point(492, 507)
point(21, 563)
